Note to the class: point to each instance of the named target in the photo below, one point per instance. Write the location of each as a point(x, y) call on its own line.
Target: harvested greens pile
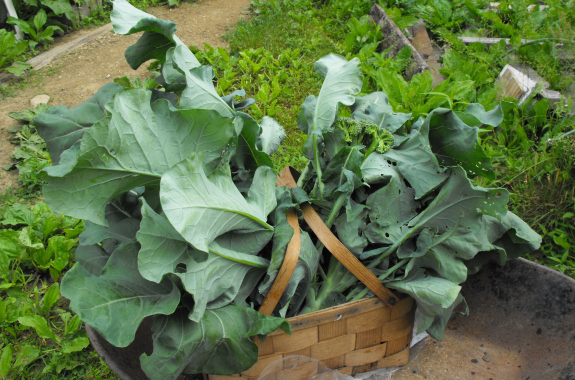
point(184, 221)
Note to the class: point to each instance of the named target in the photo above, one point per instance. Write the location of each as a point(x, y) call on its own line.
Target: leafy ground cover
point(532, 154)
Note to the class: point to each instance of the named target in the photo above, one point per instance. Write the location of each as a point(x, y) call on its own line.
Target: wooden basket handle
point(288, 266)
point(332, 243)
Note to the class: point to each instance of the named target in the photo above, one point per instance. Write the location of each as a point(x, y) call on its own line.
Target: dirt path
point(73, 78)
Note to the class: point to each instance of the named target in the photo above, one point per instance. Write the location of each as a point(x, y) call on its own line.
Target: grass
point(271, 56)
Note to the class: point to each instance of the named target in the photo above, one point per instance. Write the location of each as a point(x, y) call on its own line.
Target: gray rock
point(39, 99)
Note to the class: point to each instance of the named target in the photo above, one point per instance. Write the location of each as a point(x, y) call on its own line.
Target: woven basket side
point(369, 337)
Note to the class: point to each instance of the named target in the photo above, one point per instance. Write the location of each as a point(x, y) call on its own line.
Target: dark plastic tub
point(521, 326)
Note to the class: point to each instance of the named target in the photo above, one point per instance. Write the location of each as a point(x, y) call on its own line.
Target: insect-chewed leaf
point(455, 143)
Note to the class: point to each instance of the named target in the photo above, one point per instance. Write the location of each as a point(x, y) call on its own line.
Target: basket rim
point(343, 311)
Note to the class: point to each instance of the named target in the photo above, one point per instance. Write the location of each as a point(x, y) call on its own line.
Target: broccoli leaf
point(134, 146)
point(217, 344)
point(201, 208)
point(116, 301)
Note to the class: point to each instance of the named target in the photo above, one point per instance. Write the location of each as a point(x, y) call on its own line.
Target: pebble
point(39, 99)
point(486, 358)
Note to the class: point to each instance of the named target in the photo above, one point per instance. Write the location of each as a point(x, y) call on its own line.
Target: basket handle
point(332, 243)
point(288, 266)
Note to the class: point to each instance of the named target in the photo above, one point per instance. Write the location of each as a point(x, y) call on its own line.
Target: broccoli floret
point(365, 133)
point(351, 127)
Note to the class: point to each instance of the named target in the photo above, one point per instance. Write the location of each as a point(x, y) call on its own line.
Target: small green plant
point(361, 33)
point(10, 50)
point(40, 337)
point(54, 9)
point(36, 28)
point(131, 83)
point(30, 155)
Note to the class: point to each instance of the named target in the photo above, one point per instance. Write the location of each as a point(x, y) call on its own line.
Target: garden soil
point(75, 77)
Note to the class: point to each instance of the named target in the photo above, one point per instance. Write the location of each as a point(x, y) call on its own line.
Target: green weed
point(30, 155)
point(41, 338)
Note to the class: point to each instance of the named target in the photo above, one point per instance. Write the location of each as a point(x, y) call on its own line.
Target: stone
point(39, 99)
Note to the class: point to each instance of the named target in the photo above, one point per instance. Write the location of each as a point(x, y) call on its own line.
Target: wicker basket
point(354, 337)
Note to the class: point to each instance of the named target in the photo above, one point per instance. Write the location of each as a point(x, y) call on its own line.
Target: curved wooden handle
point(331, 242)
point(287, 268)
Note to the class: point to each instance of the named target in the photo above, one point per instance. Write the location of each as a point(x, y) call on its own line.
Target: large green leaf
point(62, 7)
point(375, 169)
point(342, 80)
point(442, 261)
point(213, 280)
point(455, 143)
point(10, 48)
point(115, 302)
point(375, 107)
point(437, 327)
point(458, 201)
point(416, 162)
point(18, 68)
point(121, 228)
point(492, 118)
point(511, 238)
point(350, 227)
point(61, 127)
point(200, 92)
point(132, 147)
point(157, 39)
point(218, 344)
point(92, 258)
point(458, 197)
point(429, 290)
point(347, 160)
point(391, 208)
point(271, 137)
point(201, 208)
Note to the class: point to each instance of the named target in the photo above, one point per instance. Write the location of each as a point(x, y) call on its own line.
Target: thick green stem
point(303, 176)
point(331, 217)
point(375, 262)
point(335, 210)
point(369, 150)
point(318, 171)
point(399, 264)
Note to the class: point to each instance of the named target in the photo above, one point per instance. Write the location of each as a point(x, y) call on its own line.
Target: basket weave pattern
point(354, 337)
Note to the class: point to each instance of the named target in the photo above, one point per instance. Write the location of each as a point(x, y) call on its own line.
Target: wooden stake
point(12, 12)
